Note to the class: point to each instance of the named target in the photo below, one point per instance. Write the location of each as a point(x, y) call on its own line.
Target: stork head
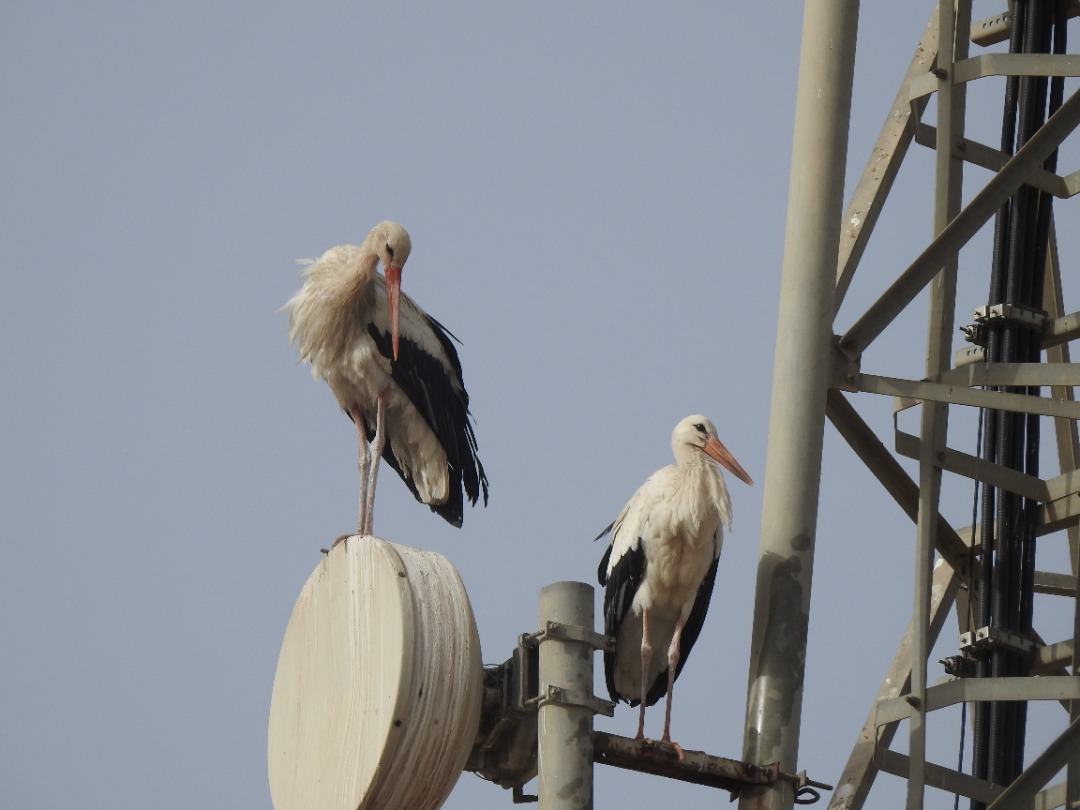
point(698, 432)
point(391, 243)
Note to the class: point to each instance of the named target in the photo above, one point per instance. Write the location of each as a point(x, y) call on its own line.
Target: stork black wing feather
point(601, 570)
point(622, 584)
point(442, 401)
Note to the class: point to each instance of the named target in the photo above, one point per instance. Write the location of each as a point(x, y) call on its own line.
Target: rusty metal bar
point(699, 768)
point(695, 766)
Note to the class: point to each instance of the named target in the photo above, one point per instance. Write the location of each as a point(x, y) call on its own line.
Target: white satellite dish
point(376, 700)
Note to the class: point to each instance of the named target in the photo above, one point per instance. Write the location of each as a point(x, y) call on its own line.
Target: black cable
point(971, 577)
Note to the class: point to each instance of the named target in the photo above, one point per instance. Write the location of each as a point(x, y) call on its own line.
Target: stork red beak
point(715, 448)
point(393, 301)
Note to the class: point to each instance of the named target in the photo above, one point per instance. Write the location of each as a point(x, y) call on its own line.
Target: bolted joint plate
point(845, 368)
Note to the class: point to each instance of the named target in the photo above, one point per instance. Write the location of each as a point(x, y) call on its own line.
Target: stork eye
point(389, 250)
point(700, 427)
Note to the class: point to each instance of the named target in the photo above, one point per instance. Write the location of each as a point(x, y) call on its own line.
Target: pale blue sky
point(596, 197)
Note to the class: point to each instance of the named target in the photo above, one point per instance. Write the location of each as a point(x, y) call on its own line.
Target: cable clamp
point(1031, 317)
point(569, 632)
point(561, 696)
point(988, 638)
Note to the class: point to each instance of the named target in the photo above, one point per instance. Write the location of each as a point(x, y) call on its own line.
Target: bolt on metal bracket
point(807, 791)
point(959, 666)
point(974, 333)
point(845, 368)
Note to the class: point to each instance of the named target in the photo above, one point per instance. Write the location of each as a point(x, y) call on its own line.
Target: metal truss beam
point(959, 395)
point(967, 690)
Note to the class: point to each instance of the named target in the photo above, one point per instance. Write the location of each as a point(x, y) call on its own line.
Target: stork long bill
point(393, 300)
point(715, 448)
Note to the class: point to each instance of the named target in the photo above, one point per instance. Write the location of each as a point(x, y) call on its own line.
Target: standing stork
point(660, 567)
point(394, 371)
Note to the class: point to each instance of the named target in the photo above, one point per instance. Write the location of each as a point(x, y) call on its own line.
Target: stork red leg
point(646, 658)
point(362, 465)
point(672, 665)
point(377, 445)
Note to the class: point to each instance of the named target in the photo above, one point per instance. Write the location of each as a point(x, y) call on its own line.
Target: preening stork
point(394, 371)
point(660, 567)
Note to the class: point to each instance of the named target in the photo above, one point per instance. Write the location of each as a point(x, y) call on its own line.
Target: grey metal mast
point(800, 376)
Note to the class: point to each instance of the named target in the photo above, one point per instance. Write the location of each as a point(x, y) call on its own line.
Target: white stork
point(660, 567)
point(394, 371)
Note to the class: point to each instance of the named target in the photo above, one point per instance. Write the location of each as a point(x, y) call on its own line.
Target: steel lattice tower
point(1014, 373)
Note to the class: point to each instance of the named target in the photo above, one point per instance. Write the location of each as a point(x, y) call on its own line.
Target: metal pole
point(800, 382)
point(565, 780)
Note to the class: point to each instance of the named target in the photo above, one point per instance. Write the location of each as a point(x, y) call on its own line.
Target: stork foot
point(666, 743)
point(337, 540)
point(670, 743)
